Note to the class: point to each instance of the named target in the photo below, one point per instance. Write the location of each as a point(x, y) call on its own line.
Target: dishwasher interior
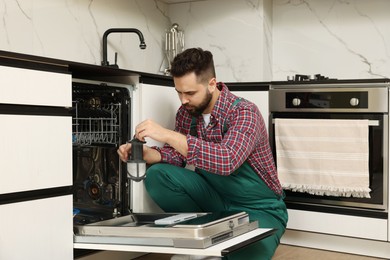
point(101, 121)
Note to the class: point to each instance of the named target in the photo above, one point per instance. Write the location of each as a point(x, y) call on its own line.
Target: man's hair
point(194, 60)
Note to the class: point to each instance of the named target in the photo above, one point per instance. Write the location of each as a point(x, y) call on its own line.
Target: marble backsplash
point(73, 30)
point(252, 40)
point(261, 40)
point(339, 39)
point(238, 33)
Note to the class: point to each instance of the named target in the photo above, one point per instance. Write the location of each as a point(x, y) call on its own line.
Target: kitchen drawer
point(35, 153)
point(34, 87)
point(337, 224)
point(37, 229)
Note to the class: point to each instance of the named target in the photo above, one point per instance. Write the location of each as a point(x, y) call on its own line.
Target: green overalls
point(177, 189)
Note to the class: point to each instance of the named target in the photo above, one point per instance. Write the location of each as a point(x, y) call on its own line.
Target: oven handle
point(370, 122)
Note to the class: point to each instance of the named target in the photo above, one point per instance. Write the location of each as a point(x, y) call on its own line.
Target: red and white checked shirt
point(221, 153)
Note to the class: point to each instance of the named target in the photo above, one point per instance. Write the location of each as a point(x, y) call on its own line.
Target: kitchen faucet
point(142, 44)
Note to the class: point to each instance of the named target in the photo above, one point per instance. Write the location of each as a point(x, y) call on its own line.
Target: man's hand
point(151, 129)
point(150, 155)
point(124, 151)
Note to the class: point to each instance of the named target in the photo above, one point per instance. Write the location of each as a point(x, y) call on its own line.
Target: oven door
point(376, 206)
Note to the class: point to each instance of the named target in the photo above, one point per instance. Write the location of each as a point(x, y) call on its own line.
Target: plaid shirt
point(222, 153)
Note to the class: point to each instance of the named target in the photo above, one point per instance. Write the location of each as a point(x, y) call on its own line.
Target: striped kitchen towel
point(323, 156)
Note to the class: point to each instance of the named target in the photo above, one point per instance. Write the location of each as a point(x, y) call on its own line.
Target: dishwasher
point(100, 122)
point(102, 119)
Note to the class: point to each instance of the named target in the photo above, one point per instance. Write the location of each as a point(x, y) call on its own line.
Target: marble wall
point(262, 40)
point(339, 39)
point(238, 33)
point(73, 30)
point(252, 40)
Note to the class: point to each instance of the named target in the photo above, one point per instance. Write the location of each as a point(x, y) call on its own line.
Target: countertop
point(91, 71)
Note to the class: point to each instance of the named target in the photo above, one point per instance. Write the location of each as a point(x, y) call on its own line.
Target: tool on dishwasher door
point(136, 166)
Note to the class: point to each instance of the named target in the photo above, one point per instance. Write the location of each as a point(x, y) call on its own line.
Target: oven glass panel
point(376, 157)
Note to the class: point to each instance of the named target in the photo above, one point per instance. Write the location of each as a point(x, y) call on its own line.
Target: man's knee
point(152, 174)
point(156, 175)
point(154, 169)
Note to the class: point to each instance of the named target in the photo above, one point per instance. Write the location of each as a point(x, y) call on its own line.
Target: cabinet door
point(34, 87)
point(37, 229)
point(35, 152)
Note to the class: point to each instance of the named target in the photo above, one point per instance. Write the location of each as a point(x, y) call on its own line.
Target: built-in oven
point(339, 100)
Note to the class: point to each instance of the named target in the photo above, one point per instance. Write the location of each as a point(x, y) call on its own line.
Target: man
point(225, 138)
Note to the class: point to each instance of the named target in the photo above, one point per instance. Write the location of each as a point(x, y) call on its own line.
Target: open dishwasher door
point(199, 230)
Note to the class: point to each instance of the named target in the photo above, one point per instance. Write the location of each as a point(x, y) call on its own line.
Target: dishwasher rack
point(94, 125)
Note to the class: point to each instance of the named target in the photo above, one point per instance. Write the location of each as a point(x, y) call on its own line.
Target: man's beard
point(198, 110)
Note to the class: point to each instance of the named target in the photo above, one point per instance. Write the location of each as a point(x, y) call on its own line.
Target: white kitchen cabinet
point(36, 220)
point(337, 224)
point(37, 229)
point(35, 152)
point(351, 245)
point(160, 104)
point(34, 87)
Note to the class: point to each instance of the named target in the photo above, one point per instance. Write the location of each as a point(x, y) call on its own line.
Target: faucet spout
point(142, 44)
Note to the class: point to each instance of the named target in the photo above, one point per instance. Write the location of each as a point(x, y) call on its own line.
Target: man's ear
point(212, 85)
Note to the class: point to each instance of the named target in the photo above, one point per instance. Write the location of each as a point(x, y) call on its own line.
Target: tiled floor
point(285, 252)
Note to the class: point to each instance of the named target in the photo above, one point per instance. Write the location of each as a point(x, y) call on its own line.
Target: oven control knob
point(354, 102)
point(296, 102)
